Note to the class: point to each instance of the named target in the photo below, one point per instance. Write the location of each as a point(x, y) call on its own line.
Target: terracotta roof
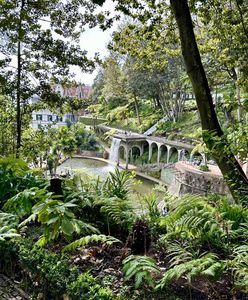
point(80, 91)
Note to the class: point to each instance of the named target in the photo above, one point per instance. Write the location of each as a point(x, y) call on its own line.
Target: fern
point(8, 224)
point(239, 266)
point(109, 240)
point(141, 269)
point(117, 210)
point(203, 227)
point(180, 252)
point(195, 219)
point(82, 198)
point(208, 265)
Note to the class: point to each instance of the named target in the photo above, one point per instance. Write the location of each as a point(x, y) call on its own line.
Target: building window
point(59, 119)
point(38, 117)
point(49, 118)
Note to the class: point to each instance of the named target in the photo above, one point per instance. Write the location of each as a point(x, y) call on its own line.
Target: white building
point(45, 117)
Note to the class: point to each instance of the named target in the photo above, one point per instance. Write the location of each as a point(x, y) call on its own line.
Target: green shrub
point(21, 204)
point(48, 273)
point(57, 218)
point(15, 177)
point(87, 288)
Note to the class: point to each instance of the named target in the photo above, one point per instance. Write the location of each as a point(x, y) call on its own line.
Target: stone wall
point(90, 153)
point(189, 180)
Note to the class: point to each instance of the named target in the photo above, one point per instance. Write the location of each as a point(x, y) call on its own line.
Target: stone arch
point(163, 152)
point(135, 152)
point(137, 149)
point(122, 152)
point(197, 157)
point(184, 155)
point(187, 155)
point(153, 152)
point(145, 147)
point(172, 155)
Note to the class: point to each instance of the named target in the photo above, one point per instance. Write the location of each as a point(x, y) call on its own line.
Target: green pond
point(94, 167)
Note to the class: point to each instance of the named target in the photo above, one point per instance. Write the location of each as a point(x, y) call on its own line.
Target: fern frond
point(180, 253)
point(109, 240)
point(239, 267)
point(141, 269)
point(117, 210)
point(8, 224)
point(208, 265)
point(30, 219)
point(83, 227)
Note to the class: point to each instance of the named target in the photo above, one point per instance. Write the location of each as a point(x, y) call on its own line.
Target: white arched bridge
point(133, 144)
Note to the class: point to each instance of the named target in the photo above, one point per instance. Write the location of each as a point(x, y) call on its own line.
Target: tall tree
point(212, 133)
point(40, 41)
point(155, 54)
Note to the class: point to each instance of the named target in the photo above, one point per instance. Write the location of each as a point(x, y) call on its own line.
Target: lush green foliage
point(118, 184)
point(86, 288)
point(57, 218)
point(8, 225)
point(107, 201)
point(50, 271)
point(140, 268)
point(202, 238)
point(16, 177)
point(108, 240)
point(21, 204)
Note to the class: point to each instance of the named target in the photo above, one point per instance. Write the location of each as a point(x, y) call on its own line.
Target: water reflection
point(96, 168)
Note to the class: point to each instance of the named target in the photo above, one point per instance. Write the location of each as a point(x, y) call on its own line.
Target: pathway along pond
point(94, 168)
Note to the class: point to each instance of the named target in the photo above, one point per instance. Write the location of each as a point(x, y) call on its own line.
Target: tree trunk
point(239, 111)
point(235, 77)
point(18, 86)
point(212, 133)
point(137, 109)
point(18, 101)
